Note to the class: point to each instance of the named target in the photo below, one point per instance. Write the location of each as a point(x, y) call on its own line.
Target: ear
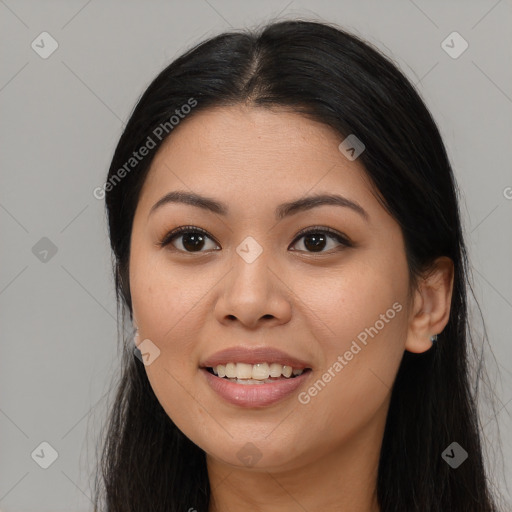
point(431, 305)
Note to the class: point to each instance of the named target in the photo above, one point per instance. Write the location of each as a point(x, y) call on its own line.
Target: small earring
point(433, 338)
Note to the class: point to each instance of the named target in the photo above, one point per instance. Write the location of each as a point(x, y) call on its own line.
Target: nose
point(253, 294)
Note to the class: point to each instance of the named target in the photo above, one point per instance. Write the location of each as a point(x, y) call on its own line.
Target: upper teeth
point(259, 371)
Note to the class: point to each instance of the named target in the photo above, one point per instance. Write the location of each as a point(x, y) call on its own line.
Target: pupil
point(318, 241)
point(193, 239)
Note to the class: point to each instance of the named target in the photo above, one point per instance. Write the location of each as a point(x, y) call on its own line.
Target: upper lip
point(253, 355)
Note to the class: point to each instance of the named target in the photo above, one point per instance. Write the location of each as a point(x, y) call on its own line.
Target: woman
point(288, 248)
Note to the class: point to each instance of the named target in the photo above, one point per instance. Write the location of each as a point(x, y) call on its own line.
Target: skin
point(322, 455)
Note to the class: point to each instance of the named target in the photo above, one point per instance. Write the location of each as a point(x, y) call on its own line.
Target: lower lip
point(254, 395)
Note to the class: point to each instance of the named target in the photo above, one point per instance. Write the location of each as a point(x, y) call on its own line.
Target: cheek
point(169, 306)
point(349, 300)
point(163, 304)
point(359, 315)
point(163, 297)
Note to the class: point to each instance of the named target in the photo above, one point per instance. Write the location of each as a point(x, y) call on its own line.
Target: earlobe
point(432, 303)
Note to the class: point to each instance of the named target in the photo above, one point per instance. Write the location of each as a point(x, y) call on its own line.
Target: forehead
point(254, 154)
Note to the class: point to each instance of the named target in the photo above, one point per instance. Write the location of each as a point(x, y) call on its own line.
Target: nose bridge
point(251, 290)
point(250, 267)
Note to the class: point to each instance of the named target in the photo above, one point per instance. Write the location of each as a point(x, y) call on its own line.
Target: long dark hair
point(331, 76)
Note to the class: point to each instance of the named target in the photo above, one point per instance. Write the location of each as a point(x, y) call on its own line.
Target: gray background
point(61, 118)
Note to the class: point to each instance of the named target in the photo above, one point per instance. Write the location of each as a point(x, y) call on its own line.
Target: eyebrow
point(282, 211)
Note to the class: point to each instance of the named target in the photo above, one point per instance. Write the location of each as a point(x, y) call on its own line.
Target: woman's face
point(252, 281)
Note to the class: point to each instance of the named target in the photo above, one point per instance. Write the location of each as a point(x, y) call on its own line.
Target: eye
point(315, 239)
point(193, 238)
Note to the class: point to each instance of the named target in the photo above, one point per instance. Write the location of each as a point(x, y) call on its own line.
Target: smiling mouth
point(260, 373)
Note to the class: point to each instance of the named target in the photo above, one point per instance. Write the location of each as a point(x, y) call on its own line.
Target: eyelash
point(175, 233)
